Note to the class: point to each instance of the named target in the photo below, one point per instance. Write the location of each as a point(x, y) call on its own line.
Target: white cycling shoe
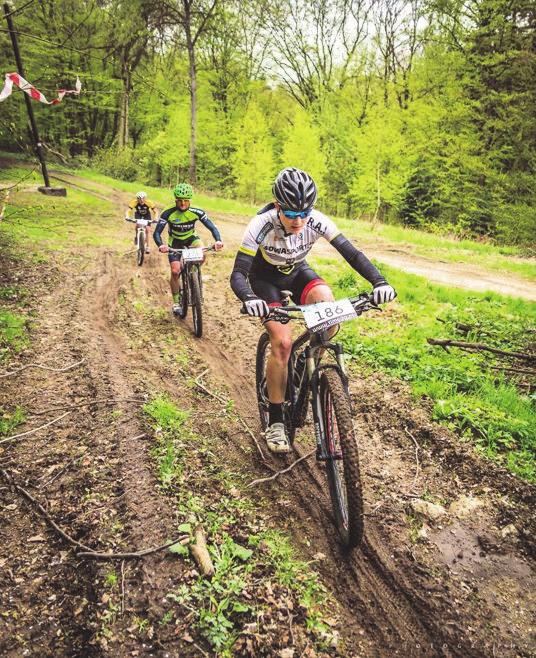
point(276, 438)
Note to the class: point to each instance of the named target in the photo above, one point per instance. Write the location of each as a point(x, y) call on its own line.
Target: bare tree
point(400, 32)
point(315, 43)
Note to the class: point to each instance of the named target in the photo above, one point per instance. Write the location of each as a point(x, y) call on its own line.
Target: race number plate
point(319, 317)
point(192, 255)
point(142, 222)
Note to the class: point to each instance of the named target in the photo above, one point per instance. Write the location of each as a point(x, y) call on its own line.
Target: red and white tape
point(24, 85)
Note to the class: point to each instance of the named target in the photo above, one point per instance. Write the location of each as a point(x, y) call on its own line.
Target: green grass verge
point(164, 197)
point(468, 395)
point(244, 555)
point(46, 226)
point(443, 248)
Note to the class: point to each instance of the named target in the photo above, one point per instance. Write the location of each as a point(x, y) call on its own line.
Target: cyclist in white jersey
point(271, 258)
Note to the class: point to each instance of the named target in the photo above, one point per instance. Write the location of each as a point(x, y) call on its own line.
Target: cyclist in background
point(143, 209)
point(180, 220)
point(271, 258)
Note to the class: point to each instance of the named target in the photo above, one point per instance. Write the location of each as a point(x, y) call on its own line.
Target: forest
point(419, 113)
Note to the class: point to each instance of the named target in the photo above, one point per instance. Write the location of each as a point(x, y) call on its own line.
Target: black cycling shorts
point(183, 244)
point(267, 281)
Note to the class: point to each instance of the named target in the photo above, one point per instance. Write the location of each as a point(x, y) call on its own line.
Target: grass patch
point(9, 420)
point(468, 396)
point(164, 197)
point(253, 564)
point(13, 333)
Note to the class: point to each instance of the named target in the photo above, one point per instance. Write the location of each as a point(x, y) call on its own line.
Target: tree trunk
point(192, 173)
point(123, 116)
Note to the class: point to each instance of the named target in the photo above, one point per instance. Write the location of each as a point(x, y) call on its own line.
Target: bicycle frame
point(310, 381)
point(315, 346)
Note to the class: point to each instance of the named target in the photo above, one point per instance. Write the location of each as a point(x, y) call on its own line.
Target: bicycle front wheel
point(183, 305)
point(197, 311)
point(141, 248)
point(342, 465)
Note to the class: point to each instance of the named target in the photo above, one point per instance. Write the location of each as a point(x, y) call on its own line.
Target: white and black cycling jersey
point(266, 234)
point(267, 252)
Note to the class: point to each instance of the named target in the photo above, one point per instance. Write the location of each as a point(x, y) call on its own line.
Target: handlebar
point(362, 302)
point(135, 221)
point(179, 251)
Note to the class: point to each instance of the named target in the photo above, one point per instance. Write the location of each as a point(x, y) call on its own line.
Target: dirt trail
point(465, 589)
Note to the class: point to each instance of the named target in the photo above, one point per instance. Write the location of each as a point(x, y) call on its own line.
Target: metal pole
point(37, 142)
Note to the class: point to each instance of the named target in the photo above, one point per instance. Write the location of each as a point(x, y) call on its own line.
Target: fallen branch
point(60, 472)
point(38, 365)
point(252, 435)
point(87, 551)
point(417, 448)
point(85, 404)
point(200, 552)
point(133, 555)
point(9, 479)
point(123, 587)
point(203, 388)
point(36, 429)
point(285, 470)
point(445, 343)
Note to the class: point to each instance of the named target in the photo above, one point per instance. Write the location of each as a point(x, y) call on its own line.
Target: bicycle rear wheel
point(197, 311)
point(183, 306)
point(342, 470)
point(263, 352)
point(141, 248)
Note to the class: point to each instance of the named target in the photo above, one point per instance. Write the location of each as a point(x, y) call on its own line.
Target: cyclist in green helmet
point(180, 220)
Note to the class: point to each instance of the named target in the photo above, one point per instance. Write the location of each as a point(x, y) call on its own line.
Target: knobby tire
point(344, 479)
point(141, 248)
point(183, 307)
point(197, 311)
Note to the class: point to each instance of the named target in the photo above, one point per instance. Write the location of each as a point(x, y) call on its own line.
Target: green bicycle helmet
point(183, 191)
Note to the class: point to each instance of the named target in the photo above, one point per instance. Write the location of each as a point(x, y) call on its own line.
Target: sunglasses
point(294, 214)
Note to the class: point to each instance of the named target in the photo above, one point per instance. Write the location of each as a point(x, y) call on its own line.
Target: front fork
point(313, 373)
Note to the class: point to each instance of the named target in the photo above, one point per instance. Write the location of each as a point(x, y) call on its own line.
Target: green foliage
point(220, 600)
point(253, 163)
point(435, 132)
point(166, 414)
point(117, 162)
point(224, 603)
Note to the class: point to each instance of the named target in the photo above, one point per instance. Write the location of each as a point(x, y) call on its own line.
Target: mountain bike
point(326, 384)
point(141, 225)
point(192, 285)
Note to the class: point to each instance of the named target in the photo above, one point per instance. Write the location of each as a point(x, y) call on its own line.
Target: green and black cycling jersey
point(181, 225)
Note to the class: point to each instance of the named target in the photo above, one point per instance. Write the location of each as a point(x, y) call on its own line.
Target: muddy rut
point(459, 586)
